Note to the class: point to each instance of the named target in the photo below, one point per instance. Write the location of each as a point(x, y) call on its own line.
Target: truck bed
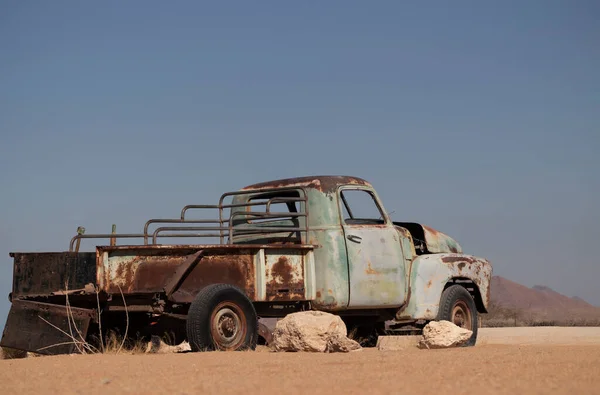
point(265, 272)
point(54, 291)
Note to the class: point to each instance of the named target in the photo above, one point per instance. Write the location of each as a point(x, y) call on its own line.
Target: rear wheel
point(221, 317)
point(457, 306)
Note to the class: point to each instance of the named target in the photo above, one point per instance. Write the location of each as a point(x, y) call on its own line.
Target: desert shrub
point(502, 316)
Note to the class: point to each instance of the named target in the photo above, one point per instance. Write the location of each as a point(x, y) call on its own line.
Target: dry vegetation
point(111, 343)
point(502, 316)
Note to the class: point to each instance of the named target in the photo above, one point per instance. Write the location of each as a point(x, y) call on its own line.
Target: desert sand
point(529, 360)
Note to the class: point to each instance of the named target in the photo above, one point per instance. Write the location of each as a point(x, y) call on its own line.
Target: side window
point(275, 204)
point(360, 207)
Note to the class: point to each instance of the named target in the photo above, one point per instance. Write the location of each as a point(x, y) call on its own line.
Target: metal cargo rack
point(221, 227)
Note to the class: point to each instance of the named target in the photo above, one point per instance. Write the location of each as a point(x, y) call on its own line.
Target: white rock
point(443, 334)
point(312, 331)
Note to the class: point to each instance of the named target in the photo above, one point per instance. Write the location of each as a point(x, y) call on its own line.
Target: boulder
point(443, 334)
point(312, 331)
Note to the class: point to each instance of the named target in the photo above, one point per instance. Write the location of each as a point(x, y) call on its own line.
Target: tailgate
point(45, 328)
point(39, 274)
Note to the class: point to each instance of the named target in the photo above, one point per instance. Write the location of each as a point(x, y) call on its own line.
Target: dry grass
point(110, 344)
point(500, 316)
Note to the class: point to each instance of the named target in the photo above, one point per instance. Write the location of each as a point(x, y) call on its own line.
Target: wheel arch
point(473, 289)
point(431, 274)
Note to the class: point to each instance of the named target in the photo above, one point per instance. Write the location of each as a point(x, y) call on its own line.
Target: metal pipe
point(265, 216)
point(103, 236)
point(113, 241)
point(282, 200)
point(176, 221)
point(221, 221)
point(196, 206)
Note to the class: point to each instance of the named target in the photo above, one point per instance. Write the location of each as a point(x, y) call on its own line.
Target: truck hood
point(435, 241)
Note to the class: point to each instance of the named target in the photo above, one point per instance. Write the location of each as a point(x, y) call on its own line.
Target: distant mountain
point(577, 298)
point(540, 303)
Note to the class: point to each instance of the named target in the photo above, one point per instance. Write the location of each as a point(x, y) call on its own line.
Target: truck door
point(376, 268)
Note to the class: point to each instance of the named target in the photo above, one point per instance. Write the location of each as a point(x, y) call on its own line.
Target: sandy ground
point(540, 335)
point(531, 361)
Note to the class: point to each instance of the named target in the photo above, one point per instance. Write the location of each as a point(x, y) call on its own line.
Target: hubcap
point(461, 315)
point(228, 326)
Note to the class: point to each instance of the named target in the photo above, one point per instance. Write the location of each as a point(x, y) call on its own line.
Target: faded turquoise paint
point(375, 261)
point(331, 260)
point(377, 273)
point(331, 270)
point(325, 232)
point(396, 275)
point(406, 241)
point(408, 254)
point(430, 274)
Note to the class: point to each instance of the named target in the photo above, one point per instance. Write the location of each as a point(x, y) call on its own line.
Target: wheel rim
point(228, 326)
point(461, 315)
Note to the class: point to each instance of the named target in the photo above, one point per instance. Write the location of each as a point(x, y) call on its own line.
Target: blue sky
point(480, 119)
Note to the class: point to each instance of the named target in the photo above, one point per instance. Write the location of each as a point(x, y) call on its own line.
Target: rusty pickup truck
point(311, 243)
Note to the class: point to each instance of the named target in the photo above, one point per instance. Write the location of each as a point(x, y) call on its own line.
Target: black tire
point(221, 317)
point(457, 306)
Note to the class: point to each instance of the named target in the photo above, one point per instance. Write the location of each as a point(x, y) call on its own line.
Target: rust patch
point(370, 270)
point(454, 259)
point(434, 232)
point(285, 281)
point(124, 277)
point(429, 284)
point(42, 273)
point(142, 273)
point(153, 274)
point(282, 270)
point(318, 294)
point(461, 265)
point(235, 269)
point(329, 303)
point(326, 184)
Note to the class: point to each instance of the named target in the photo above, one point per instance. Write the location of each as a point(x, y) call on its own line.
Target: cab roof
point(322, 183)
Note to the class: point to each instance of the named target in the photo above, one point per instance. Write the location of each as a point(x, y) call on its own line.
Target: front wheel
point(221, 317)
point(457, 306)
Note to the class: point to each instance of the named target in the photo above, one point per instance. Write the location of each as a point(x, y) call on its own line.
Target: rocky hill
point(539, 305)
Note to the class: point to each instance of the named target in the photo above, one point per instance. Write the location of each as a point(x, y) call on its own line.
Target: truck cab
point(366, 264)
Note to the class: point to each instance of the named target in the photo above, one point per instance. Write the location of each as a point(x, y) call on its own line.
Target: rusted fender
point(430, 273)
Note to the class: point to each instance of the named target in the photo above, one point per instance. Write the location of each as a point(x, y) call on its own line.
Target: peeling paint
point(429, 275)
